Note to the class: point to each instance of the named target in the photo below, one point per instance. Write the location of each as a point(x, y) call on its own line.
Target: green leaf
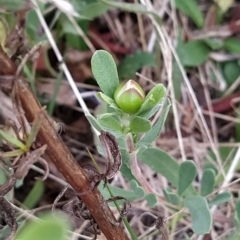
point(93, 121)
point(177, 80)
point(32, 23)
point(214, 43)
point(126, 172)
point(36, 125)
point(105, 71)
point(109, 122)
point(201, 216)
point(14, 141)
point(207, 182)
point(172, 198)
point(139, 124)
point(35, 195)
point(94, 10)
point(137, 189)
point(155, 95)
point(105, 98)
point(13, 153)
point(155, 131)
point(149, 113)
point(187, 174)
point(233, 236)
point(161, 162)
point(130, 7)
point(66, 27)
point(116, 191)
point(151, 199)
point(232, 45)
point(3, 35)
point(193, 53)
point(224, 5)
point(231, 71)
point(220, 199)
point(132, 63)
point(54, 228)
point(192, 10)
point(237, 209)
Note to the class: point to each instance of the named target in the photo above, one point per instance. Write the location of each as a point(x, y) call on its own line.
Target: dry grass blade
point(60, 195)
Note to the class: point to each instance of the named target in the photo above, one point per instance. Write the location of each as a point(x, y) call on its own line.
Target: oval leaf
point(232, 45)
point(34, 196)
point(93, 121)
point(201, 216)
point(155, 131)
point(192, 10)
point(104, 70)
point(139, 124)
point(51, 227)
point(105, 98)
point(220, 199)
point(193, 53)
point(132, 63)
point(153, 98)
point(207, 182)
point(109, 122)
point(151, 199)
point(174, 199)
point(186, 175)
point(137, 189)
point(94, 10)
point(161, 162)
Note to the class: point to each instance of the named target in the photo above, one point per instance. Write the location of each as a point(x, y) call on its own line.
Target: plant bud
point(129, 96)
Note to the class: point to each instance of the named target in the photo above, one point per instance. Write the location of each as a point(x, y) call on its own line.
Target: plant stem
point(61, 157)
point(130, 230)
point(136, 171)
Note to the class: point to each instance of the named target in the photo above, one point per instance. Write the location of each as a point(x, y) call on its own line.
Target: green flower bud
point(129, 96)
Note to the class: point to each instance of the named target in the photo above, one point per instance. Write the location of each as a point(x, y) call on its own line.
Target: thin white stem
point(63, 66)
point(195, 101)
point(167, 55)
point(168, 43)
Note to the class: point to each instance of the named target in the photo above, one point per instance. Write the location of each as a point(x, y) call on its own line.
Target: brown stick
point(59, 154)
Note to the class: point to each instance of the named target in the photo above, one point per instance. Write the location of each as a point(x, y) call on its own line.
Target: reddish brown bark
point(59, 154)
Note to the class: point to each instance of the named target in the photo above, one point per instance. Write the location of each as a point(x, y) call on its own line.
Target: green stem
point(127, 225)
point(154, 233)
